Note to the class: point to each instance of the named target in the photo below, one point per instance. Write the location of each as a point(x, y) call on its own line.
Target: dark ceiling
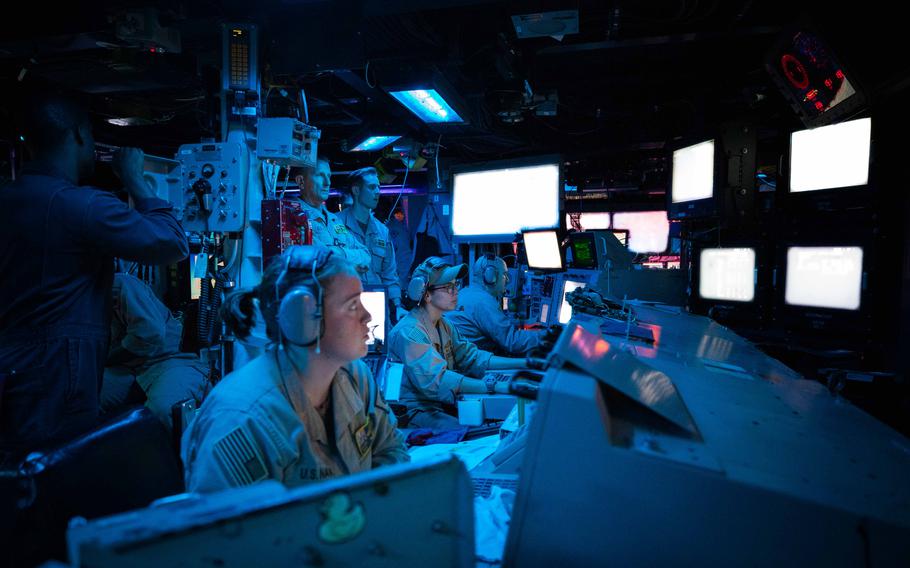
point(637, 75)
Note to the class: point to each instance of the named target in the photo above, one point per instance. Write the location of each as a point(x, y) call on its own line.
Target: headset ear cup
point(298, 316)
point(489, 275)
point(416, 288)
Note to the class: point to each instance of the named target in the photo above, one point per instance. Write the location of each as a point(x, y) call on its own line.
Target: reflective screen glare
point(375, 302)
point(830, 156)
point(543, 250)
point(824, 277)
point(727, 274)
point(648, 230)
point(565, 309)
point(503, 202)
point(693, 173)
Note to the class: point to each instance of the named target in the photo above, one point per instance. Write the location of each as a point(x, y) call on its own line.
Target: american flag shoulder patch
point(240, 458)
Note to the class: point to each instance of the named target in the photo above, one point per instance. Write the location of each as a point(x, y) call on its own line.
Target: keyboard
point(484, 485)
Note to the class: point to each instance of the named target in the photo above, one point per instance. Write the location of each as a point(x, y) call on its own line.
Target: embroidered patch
point(380, 243)
point(240, 458)
point(341, 229)
point(363, 437)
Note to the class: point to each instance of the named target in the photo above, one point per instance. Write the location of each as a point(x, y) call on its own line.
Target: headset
point(417, 287)
point(300, 310)
point(490, 272)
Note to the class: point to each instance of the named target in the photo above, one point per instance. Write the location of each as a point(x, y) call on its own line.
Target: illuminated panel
point(428, 105)
point(565, 309)
point(830, 156)
point(648, 230)
point(824, 277)
point(375, 302)
point(374, 143)
point(693, 173)
point(587, 221)
point(727, 274)
point(542, 248)
point(505, 201)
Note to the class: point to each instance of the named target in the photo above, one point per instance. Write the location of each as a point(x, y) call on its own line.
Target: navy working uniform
point(481, 321)
point(145, 351)
point(435, 362)
point(375, 237)
point(57, 245)
point(254, 425)
point(331, 232)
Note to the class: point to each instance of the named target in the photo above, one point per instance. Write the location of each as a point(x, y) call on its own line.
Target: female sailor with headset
point(307, 409)
point(438, 363)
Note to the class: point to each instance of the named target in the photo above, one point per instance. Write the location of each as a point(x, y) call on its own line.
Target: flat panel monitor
point(824, 277)
point(492, 205)
point(542, 248)
point(584, 250)
point(693, 173)
point(565, 309)
point(648, 230)
point(727, 274)
point(831, 156)
point(375, 300)
point(588, 221)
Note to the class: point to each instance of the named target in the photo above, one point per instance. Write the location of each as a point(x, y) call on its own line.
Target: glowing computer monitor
point(584, 250)
point(648, 230)
point(375, 300)
point(727, 274)
point(588, 221)
point(831, 156)
point(692, 181)
point(542, 248)
point(494, 201)
point(824, 277)
point(565, 309)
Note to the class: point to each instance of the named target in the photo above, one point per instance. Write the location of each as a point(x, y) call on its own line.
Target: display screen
point(824, 277)
point(648, 230)
point(375, 302)
point(693, 173)
point(505, 201)
point(588, 221)
point(830, 156)
point(565, 309)
point(727, 274)
point(542, 248)
point(584, 255)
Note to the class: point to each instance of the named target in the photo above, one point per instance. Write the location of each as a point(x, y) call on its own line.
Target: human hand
point(501, 387)
point(127, 164)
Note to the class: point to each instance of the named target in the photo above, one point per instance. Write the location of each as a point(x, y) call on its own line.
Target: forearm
point(497, 362)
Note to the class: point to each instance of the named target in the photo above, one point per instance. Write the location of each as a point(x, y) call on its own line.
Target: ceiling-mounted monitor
point(491, 202)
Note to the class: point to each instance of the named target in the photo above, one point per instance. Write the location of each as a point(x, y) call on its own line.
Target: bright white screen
point(543, 250)
point(830, 156)
point(565, 309)
point(693, 173)
point(503, 202)
point(824, 277)
point(727, 274)
point(375, 303)
point(648, 230)
point(589, 221)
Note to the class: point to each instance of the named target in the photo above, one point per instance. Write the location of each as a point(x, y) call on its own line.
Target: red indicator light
point(839, 74)
point(819, 105)
point(829, 83)
point(811, 94)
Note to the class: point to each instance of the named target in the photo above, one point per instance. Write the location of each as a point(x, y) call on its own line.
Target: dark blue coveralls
point(57, 243)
